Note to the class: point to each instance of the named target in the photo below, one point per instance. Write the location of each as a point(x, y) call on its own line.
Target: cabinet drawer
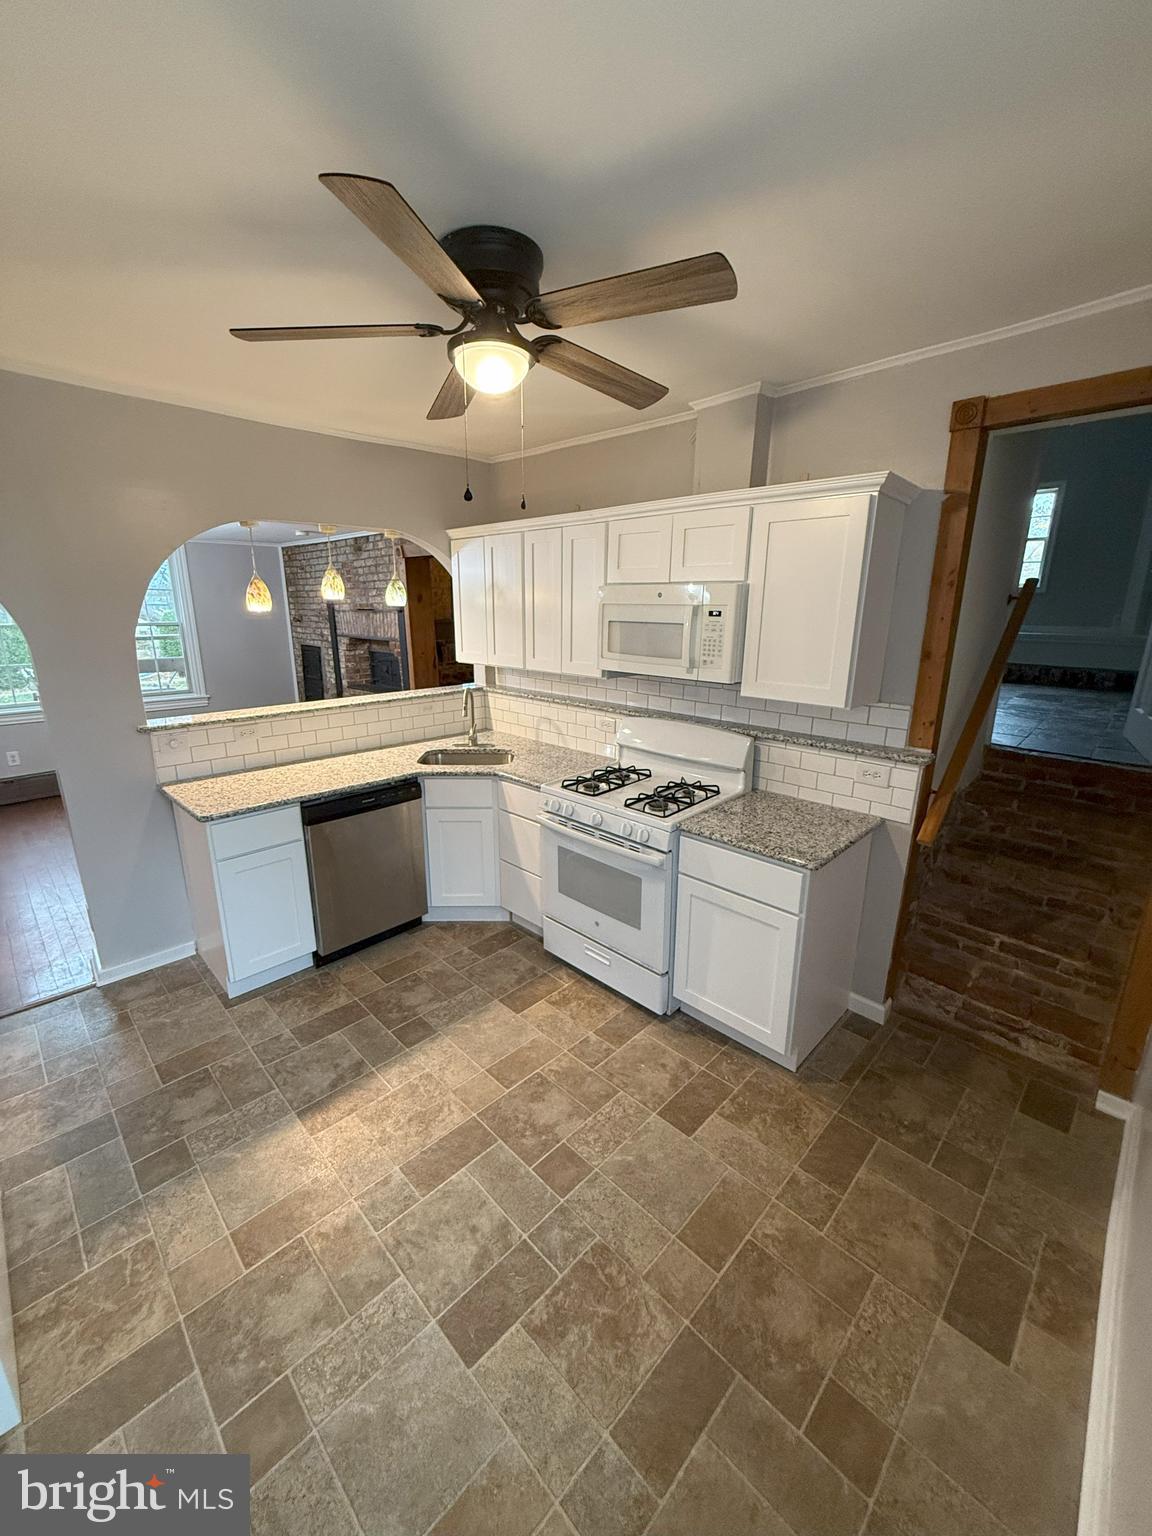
point(263, 829)
point(744, 873)
point(476, 792)
point(520, 893)
point(520, 842)
point(517, 798)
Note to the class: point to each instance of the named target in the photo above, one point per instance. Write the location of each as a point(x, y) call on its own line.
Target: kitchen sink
point(466, 757)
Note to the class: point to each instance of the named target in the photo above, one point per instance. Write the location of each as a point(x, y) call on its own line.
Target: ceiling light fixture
point(257, 599)
point(332, 586)
point(395, 593)
point(491, 365)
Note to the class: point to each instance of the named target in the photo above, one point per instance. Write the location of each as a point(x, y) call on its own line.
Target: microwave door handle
point(692, 659)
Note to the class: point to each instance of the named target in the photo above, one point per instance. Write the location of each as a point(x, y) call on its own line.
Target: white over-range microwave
point(686, 629)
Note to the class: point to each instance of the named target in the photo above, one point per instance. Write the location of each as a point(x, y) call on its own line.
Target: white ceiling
point(272, 533)
point(883, 177)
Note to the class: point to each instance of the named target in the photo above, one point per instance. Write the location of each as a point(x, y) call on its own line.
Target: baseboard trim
point(105, 974)
point(869, 1008)
point(1112, 1104)
point(466, 915)
point(1096, 1481)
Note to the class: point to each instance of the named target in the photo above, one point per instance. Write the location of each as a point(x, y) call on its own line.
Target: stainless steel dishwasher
point(365, 864)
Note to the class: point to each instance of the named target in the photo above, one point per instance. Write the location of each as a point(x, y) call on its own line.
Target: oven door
point(607, 891)
point(650, 639)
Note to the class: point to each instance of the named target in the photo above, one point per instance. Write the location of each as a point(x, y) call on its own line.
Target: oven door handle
point(605, 844)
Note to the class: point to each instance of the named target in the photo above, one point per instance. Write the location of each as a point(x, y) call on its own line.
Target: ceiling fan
point(491, 277)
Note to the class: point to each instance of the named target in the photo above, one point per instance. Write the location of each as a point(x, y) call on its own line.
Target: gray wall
point(97, 489)
point(31, 739)
point(247, 658)
point(612, 472)
point(1106, 467)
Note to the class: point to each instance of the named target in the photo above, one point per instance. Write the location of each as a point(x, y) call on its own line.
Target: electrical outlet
point(873, 773)
point(13, 759)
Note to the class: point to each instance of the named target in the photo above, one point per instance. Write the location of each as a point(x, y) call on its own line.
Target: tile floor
point(451, 1241)
point(1066, 722)
point(45, 940)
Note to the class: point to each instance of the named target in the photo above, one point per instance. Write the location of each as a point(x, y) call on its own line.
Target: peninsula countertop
point(802, 833)
point(260, 789)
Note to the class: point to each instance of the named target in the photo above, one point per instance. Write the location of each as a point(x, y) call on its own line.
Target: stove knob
point(566, 808)
point(550, 805)
point(626, 829)
point(596, 819)
point(642, 834)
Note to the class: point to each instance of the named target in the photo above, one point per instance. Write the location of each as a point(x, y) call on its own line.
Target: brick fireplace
point(364, 624)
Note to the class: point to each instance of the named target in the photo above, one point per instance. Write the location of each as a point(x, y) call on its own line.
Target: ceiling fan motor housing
point(503, 265)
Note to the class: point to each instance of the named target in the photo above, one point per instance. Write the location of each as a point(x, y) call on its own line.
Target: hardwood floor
point(45, 939)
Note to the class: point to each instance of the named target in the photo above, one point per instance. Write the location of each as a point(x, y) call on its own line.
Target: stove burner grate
point(672, 798)
point(602, 781)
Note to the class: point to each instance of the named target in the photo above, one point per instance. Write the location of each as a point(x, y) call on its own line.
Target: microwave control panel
point(721, 636)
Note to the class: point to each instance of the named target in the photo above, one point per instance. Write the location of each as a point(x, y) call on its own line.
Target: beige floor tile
point(205, 1273)
point(670, 1412)
point(184, 1217)
point(505, 1498)
point(625, 1226)
point(51, 1111)
point(446, 1242)
point(648, 1071)
point(170, 1113)
point(834, 1273)
point(607, 1496)
point(782, 1114)
point(854, 1440)
point(496, 1302)
point(285, 1219)
point(533, 1117)
point(49, 1269)
point(915, 1497)
point(603, 1329)
point(665, 1171)
point(723, 1220)
point(128, 1225)
point(520, 1193)
point(987, 1299)
point(301, 1497)
point(712, 1496)
point(351, 1256)
point(888, 1340)
point(37, 1215)
point(180, 1421)
point(681, 1277)
point(358, 1349)
point(268, 1428)
point(251, 1175)
point(905, 1240)
point(416, 1113)
point(409, 1442)
point(607, 1128)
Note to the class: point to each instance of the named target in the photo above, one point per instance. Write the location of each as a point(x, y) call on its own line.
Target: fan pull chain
point(523, 488)
point(467, 460)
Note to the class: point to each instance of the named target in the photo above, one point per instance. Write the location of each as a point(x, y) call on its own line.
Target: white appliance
point(674, 629)
point(608, 849)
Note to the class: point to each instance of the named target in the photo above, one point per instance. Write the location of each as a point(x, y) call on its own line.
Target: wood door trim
point(970, 423)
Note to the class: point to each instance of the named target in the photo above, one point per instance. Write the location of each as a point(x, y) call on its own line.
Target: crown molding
point(1004, 333)
point(109, 386)
point(769, 391)
point(593, 437)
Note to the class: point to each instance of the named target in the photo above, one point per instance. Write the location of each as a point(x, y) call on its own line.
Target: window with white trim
point(19, 690)
point(1041, 535)
point(167, 653)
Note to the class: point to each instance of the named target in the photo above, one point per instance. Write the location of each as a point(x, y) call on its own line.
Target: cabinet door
point(582, 559)
point(735, 959)
point(542, 567)
point(806, 576)
point(640, 548)
point(711, 544)
point(462, 862)
point(504, 553)
point(266, 908)
point(470, 600)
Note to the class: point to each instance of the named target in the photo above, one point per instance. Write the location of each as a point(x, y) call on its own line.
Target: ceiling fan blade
point(675, 285)
point(379, 206)
point(331, 332)
point(598, 372)
point(451, 399)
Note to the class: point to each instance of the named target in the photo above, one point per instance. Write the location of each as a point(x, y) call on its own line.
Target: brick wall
point(362, 619)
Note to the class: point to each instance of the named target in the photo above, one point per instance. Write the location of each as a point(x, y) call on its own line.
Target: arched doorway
point(45, 937)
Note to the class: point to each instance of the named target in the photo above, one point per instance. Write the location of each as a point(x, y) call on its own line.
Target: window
point(1041, 535)
point(167, 655)
point(19, 690)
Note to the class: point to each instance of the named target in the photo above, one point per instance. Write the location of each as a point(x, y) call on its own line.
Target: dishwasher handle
point(314, 811)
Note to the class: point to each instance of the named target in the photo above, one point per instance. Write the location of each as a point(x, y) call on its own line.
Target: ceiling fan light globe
point(258, 599)
point(491, 367)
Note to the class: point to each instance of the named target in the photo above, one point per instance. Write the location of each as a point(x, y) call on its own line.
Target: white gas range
point(609, 850)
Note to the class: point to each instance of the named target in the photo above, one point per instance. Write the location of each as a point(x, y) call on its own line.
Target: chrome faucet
point(469, 714)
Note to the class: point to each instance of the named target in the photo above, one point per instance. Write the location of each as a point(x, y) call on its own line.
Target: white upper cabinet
point(822, 570)
point(582, 562)
point(504, 564)
point(640, 549)
point(470, 599)
point(710, 544)
point(542, 608)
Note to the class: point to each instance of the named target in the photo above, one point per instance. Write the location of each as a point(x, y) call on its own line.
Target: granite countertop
point(195, 719)
point(802, 833)
point(260, 789)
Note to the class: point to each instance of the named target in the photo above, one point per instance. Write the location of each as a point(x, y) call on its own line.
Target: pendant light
point(395, 593)
point(257, 599)
point(332, 586)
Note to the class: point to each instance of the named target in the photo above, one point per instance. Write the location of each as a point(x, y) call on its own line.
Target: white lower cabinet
point(520, 864)
point(763, 951)
point(247, 881)
point(460, 844)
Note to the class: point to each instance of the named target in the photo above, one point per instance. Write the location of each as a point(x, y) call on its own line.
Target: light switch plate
point(13, 759)
point(876, 773)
